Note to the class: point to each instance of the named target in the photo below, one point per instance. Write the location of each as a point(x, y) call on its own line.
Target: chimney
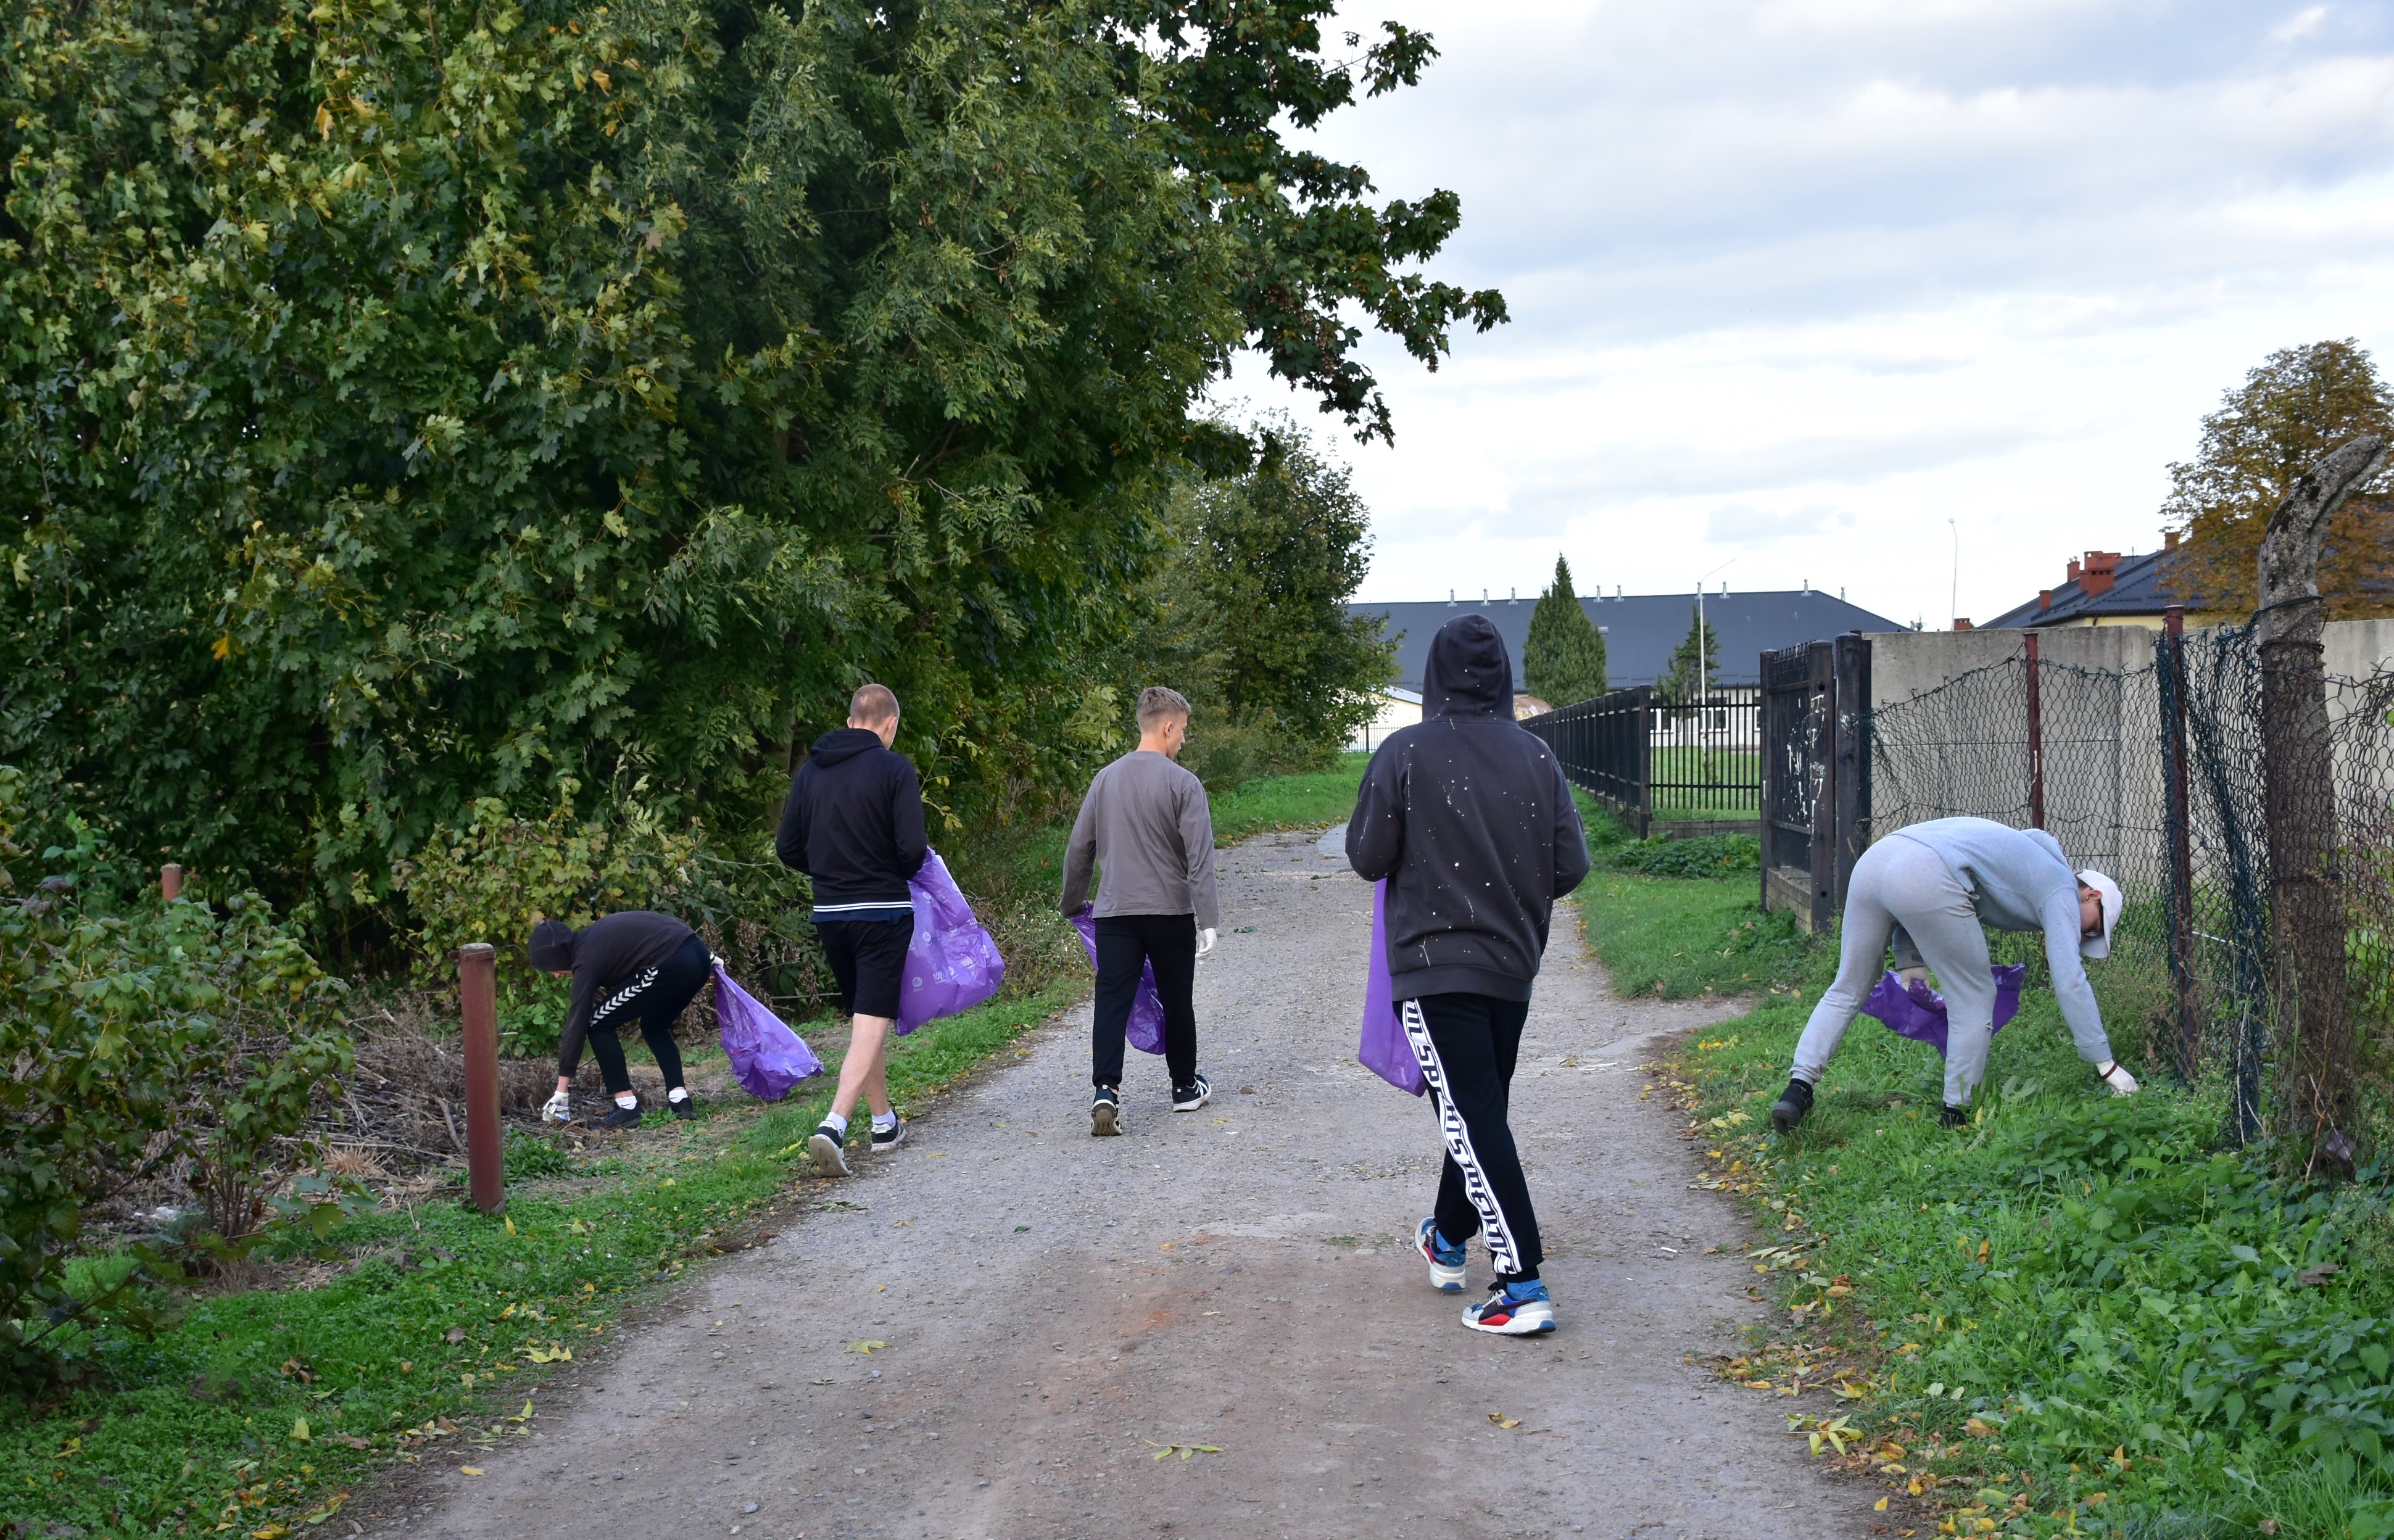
point(1961, 622)
point(2100, 568)
point(2045, 598)
point(2072, 575)
point(2169, 540)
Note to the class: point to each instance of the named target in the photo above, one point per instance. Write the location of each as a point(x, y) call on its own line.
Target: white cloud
point(1910, 260)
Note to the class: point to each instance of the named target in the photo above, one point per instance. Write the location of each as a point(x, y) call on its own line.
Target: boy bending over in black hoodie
point(1469, 820)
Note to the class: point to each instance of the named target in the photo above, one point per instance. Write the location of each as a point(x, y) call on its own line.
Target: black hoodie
point(854, 824)
point(1470, 820)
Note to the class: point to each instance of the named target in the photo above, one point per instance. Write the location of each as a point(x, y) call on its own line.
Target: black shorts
point(868, 962)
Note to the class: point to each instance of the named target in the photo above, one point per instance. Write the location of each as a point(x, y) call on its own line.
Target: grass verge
point(258, 1413)
point(2075, 1315)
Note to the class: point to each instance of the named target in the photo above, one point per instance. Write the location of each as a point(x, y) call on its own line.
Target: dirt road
point(1058, 1310)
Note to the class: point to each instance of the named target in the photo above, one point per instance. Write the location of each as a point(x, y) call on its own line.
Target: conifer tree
point(1563, 659)
point(1695, 664)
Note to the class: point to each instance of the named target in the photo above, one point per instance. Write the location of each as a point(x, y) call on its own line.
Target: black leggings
point(657, 997)
point(1127, 945)
point(1467, 1045)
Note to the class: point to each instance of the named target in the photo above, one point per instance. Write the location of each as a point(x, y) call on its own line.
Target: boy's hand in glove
point(558, 1109)
point(1205, 943)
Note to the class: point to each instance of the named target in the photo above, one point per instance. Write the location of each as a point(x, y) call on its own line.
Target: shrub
point(140, 1039)
point(1705, 856)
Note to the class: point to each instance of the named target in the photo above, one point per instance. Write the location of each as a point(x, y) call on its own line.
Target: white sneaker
point(558, 1109)
point(2115, 1075)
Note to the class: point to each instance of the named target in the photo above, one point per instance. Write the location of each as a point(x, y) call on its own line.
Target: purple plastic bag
point(766, 1057)
point(1145, 1028)
point(951, 964)
point(1918, 1012)
point(1386, 1052)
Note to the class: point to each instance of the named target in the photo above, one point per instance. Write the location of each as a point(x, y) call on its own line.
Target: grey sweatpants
point(1896, 882)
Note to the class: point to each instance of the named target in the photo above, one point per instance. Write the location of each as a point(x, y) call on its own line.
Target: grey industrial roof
point(1642, 630)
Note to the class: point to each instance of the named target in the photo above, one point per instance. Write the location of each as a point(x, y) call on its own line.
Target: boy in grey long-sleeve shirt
point(1147, 827)
point(1943, 882)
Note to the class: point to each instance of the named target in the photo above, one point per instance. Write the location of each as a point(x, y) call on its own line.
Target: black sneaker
point(1105, 1113)
point(1953, 1117)
point(1793, 1103)
point(890, 1140)
point(827, 1150)
point(685, 1109)
point(1189, 1098)
point(621, 1117)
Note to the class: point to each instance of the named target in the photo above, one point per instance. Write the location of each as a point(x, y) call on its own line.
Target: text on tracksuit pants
point(1127, 946)
point(1467, 1045)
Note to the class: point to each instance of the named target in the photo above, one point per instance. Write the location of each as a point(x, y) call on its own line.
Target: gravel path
point(1057, 1308)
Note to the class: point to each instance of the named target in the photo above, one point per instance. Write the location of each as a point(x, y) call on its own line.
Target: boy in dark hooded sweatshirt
point(1469, 820)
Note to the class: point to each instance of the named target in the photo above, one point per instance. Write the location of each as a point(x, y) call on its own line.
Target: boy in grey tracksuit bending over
point(1941, 882)
point(1147, 828)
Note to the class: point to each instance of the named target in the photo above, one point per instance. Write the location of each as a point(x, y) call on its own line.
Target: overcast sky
point(1793, 284)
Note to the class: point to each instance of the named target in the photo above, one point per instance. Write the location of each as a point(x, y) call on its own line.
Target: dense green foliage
point(139, 1037)
point(408, 405)
point(2066, 1278)
point(1562, 658)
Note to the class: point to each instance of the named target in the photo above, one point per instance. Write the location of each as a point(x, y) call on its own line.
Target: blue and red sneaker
point(1513, 1310)
point(1445, 1261)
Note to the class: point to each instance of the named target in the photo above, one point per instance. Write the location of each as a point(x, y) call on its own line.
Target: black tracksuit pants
point(1127, 945)
point(656, 996)
point(1467, 1045)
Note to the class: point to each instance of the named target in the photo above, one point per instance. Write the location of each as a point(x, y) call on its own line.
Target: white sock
point(626, 1099)
point(884, 1122)
point(679, 1093)
point(837, 1123)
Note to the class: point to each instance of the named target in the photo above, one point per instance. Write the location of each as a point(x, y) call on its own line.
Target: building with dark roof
point(1641, 631)
point(2101, 589)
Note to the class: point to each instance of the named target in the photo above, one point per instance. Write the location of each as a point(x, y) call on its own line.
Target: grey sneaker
point(827, 1150)
point(1105, 1113)
point(891, 1139)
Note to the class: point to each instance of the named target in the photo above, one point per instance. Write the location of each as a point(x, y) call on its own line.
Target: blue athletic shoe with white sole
point(1513, 1310)
point(1445, 1261)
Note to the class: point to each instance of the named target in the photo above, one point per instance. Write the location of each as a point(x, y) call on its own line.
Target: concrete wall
point(1904, 663)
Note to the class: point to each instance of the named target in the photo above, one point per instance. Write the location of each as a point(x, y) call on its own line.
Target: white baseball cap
point(2109, 892)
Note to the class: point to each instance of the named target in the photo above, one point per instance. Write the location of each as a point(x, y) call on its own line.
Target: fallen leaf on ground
point(1501, 1420)
point(865, 1348)
point(470, 1470)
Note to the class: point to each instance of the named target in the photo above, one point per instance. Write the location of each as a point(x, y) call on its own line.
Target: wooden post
point(2035, 741)
point(477, 998)
point(170, 882)
point(1821, 746)
point(2307, 920)
point(1853, 686)
point(2178, 816)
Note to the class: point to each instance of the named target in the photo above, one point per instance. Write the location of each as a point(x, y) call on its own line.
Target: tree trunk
point(2298, 791)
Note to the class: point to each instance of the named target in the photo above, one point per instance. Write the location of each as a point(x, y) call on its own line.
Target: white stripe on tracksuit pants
point(1468, 1046)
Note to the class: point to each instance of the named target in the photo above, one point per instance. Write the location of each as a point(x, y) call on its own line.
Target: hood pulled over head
point(842, 743)
point(552, 945)
point(1469, 673)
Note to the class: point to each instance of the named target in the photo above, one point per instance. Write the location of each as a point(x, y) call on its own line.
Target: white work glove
point(1205, 943)
point(2115, 1075)
point(558, 1109)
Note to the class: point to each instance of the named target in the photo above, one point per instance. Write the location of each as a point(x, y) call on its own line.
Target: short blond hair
point(1158, 704)
point(872, 705)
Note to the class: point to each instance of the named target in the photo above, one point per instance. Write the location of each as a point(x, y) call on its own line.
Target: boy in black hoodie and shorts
point(854, 824)
point(1469, 820)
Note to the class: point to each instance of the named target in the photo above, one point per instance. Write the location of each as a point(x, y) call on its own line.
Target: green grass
point(2067, 1277)
point(265, 1407)
point(1290, 801)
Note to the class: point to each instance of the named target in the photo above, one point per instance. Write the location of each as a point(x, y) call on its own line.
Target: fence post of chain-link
point(2180, 891)
point(2035, 740)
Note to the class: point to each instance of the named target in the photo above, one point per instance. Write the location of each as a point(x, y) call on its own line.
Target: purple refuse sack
point(1918, 1012)
point(952, 964)
point(766, 1057)
point(1145, 1028)
point(1386, 1052)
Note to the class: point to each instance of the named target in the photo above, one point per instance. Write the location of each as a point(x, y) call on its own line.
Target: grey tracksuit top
point(2020, 880)
point(1147, 826)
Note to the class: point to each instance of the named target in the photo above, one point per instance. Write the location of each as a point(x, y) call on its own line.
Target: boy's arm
point(1081, 854)
point(1570, 836)
point(790, 844)
point(906, 820)
point(1376, 833)
point(1197, 845)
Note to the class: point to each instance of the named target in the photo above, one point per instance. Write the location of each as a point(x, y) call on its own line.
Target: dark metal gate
point(1815, 774)
point(1602, 745)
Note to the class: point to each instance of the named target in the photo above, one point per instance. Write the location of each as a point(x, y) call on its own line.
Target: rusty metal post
point(478, 995)
point(170, 882)
point(2181, 840)
point(2035, 741)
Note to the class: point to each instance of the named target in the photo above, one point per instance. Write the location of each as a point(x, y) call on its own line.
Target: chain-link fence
point(2156, 774)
